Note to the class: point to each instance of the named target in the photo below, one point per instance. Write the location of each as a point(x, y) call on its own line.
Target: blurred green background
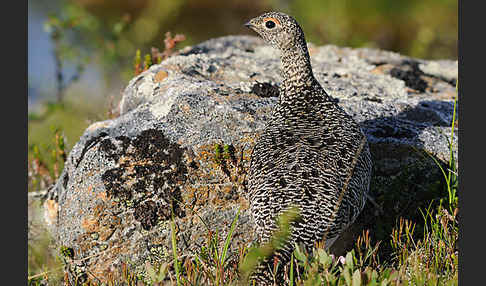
point(81, 52)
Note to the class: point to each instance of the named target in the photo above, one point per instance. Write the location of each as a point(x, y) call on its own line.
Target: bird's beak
point(249, 25)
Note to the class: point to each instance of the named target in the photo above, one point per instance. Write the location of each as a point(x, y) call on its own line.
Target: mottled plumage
point(311, 154)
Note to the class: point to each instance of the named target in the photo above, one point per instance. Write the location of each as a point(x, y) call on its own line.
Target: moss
point(218, 153)
point(66, 252)
point(223, 155)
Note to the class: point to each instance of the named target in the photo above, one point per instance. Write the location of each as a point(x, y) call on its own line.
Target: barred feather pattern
point(311, 154)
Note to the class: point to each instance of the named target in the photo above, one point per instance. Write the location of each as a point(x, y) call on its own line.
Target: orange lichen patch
point(160, 76)
point(411, 91)
point(157, 240)
point(106, 233)
point(85, 244)
point(131, 164)
point(271, 19)
point(244, 204)
point(172, 67)
point(221, 99)
point(102, 195)
point(125, 159)
point(90, 224)
point(98, 210)
point(185, 107)
point(90, 173)
point(102, 224)
point(431, 82)
point(51, 207)
point(382, 69)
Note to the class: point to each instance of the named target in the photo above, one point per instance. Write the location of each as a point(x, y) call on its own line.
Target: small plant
point(137, 62)
point(155, 56)
point(366, 254)
point(229, 153)
point(169, 45)
point(147, 62)
point(218, 153)
point(174, 250)
point(223, 154)
point(67, 252)
point(212, 261)
point(45, 164)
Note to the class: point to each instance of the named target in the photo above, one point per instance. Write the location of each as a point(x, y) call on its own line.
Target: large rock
point(126, 177)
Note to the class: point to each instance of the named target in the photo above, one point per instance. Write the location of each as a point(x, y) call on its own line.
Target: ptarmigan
point(311, 154)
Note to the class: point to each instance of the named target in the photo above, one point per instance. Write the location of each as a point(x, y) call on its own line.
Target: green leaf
point(393, 275)
point(357, 278)
point(228, 237)
point(174, 250)
point(292, 269)
point(323, 257)
point(162, 272)
point(251, 260)
point(150, 270)
point(374, 275)
point(299, 254)
point(346, 275)
point(349, 260)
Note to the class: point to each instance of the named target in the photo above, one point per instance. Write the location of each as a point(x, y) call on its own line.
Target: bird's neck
point(296, 66)
point(297, 72)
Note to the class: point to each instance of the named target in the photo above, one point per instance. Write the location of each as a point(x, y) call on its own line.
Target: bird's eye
point(269, 24)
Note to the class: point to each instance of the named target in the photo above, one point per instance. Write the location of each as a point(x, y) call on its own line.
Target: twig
point(43, 273)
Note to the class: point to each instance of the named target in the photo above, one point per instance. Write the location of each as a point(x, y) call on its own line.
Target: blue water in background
point(41, 65)
point(40, 62)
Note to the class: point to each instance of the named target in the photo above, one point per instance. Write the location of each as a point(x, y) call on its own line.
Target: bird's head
point(278, 29)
